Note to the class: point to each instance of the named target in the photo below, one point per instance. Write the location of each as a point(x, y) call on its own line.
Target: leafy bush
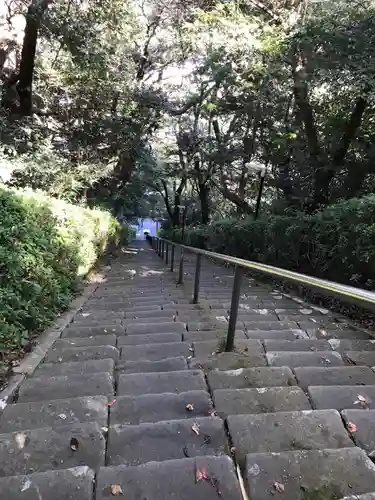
point(46, 245)
point(337, 243)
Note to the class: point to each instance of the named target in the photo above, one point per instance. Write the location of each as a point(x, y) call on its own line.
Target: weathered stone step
point(363, 430)
point(154, 352)
point(97, 340)
point(96, 323)
point(151, 338)
point(165, 365)
point(88, 331)
point(251, 377)
point(284, 431)
point(152, 315)
point(206, 326)
point(74, 484)
point(207, 348)
point(291, 335)
point(148, 321)
point(364, 358)
point(268, 325)
point(310, 474)
point(64, 387)
point(54, 413)
point(229, 361)
point(152, 408)
point(75, 368)
point(155, 442)
point(147, 328)
point(294, 359)
point(260, 400)
point(343, 345)
point(332, 332)
point(157, 383)
point(172, 479)
point(40, 450)
point(335, 375)
point(202, 336)
point(299, 345)
point(61, 355)
point(257, 316)
point(94, 315)
point(343, 397)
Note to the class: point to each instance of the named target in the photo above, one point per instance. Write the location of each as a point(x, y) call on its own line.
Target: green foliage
point(337, 243)
point(46, 245)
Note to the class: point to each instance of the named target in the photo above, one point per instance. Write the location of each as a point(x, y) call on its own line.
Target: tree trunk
point(34, 17)
point(204, 192)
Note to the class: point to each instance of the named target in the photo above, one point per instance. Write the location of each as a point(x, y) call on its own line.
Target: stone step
point(229, 361)
point(206, 326)
point(96, 323)
point(98, 315)
point(172, 480)
point(343, 397)
point(152, 408)
point(152, 315)
point(157, 383)
point(294, 359)
point(154, 352)
point(89, 331)
point(147, 328)
point(260, 400)
point(366, 496)
point(40, 450)
point(310, 474)
point(268, 325)
point(202, 336)
point(335, 375)
point(250, 377)
point(207, 348)
point(97, 340)
point(152, 338)
point(74, 484)
point(343, 345)
point(332, 332)
point(364, 358)
point(291, 334)
point(75, 368)
point(64, 387)
point(122, 306)
point(363, 430)
point(165, 365)
point(54, 413)
point(284, 431)
point(61, 355)
point(299, 345)
point(174, 439)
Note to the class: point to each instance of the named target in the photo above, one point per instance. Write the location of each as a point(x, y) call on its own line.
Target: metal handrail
point(346, 293)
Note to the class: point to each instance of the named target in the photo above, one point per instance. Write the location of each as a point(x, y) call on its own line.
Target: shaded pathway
point(138, 400)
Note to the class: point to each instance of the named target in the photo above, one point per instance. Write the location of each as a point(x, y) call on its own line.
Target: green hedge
point(337, 244)
point(46, 246)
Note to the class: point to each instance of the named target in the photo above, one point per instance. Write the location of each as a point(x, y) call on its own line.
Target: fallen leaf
point(74, 444)
point(212, 413)
point(189, 407)
point(112, 402)
point(195, 428)
point(62, 416)
point(362, 401)
point(201, 474)
point(279, 487)
point(116, 490)
point(351, 427)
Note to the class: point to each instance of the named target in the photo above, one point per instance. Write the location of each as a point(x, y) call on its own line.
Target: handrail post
point(162, 249)
point(172, 258)
point(159, 252)
point(157, 246)
point(197, 279)
point(166, 252)
point(181, 270)
point(236, 293)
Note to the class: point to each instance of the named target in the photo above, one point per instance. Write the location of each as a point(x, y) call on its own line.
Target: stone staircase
point(137, 400)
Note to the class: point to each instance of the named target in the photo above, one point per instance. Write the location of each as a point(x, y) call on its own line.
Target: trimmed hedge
point(46, 246)
point(337, 243)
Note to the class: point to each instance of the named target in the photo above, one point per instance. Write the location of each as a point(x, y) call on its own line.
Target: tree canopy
point(142, 105)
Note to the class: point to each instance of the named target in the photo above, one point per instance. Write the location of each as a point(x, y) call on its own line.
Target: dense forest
point(143, 104)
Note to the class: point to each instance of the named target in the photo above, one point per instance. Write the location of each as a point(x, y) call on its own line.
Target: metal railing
point(345, 293)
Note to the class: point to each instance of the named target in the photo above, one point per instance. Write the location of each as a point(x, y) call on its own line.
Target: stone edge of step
point(45, 341)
